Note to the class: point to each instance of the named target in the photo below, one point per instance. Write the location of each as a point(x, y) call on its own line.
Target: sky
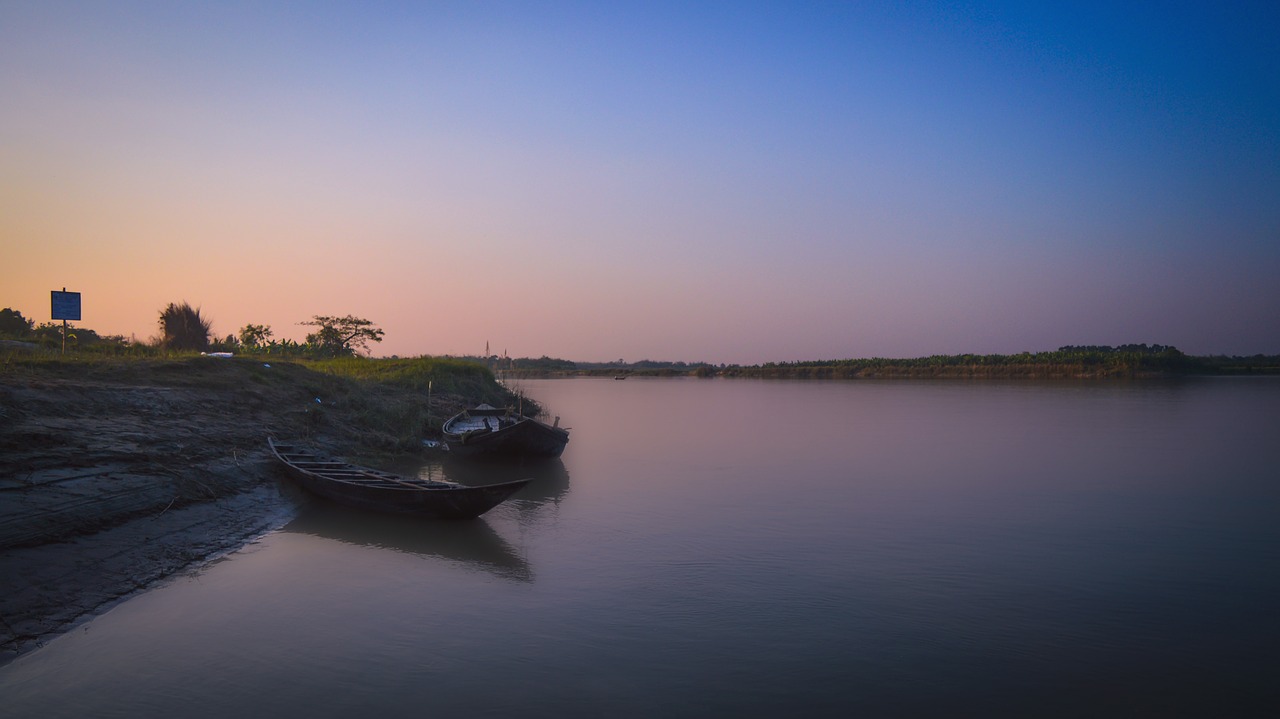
point(732, 182)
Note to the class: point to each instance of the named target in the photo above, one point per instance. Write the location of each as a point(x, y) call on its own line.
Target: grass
point(384, 404)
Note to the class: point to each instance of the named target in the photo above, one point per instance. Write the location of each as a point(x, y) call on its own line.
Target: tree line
point(182, 328)
point(1068, 361)
point(1129, 360)
point(1136, 356)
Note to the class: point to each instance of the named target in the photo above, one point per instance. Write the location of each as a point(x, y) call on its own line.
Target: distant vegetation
point(16, 328)
point(1069, 361)
point(1072, 361)
point(341, 339)
point(524, 366)
point(183, 329)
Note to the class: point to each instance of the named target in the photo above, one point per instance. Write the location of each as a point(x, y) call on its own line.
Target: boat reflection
point(550, 478)
point(472, 543)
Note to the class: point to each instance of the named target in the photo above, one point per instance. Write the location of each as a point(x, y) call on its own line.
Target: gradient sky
point(724, 182)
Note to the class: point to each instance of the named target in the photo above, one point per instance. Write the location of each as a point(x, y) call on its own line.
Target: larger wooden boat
point(486, 430)
point(373, 489)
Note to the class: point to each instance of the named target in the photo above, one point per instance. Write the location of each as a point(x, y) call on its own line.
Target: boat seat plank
point(364, 477)
point(318, 463)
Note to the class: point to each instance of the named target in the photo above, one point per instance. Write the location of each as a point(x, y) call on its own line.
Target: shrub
point(182, 328)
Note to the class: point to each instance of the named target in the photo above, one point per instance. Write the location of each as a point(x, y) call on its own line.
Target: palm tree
point(182, 328)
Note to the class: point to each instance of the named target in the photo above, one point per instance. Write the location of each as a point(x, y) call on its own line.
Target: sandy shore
point(112, 482)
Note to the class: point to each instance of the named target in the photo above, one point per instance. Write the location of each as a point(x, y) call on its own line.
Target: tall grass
point(419, 392)
point(442, 375)
point(182, 328)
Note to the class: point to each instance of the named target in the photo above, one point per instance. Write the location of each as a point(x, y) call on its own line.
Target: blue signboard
point(66, 305)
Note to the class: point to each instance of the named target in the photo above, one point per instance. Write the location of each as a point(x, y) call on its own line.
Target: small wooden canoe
point(372, 489)
point(489, 431)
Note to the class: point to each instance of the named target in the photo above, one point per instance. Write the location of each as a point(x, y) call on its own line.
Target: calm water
point(752, 549)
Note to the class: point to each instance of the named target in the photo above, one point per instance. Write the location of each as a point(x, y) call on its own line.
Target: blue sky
point(729, 182)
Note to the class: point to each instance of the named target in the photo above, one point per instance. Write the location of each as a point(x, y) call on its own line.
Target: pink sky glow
point(735, 184)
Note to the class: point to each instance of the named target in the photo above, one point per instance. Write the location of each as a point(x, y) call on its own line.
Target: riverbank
point(115, 474)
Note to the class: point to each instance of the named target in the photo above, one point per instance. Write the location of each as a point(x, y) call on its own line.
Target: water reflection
point(890, 549)
point(473, 543)
point(550, 478)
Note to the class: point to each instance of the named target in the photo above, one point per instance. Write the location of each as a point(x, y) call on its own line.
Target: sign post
point(65, 306)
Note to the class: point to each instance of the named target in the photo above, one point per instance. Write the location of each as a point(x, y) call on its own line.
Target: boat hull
point(503, 437)
point(374, 490)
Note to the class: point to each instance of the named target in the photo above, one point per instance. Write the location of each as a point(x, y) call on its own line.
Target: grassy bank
point(379, 404)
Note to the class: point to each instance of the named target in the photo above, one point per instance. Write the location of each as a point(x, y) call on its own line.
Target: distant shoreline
point(950, 373)
point(1134, 361)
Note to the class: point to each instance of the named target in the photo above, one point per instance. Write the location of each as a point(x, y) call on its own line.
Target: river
point(743, 548)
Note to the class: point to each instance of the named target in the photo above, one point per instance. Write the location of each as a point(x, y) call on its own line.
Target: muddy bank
point(115, 476)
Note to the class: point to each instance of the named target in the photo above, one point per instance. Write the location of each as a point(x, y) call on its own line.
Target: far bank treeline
point(1072, 361)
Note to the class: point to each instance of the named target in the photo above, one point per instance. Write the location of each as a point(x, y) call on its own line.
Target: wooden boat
point(373, 489)
point(486, 430)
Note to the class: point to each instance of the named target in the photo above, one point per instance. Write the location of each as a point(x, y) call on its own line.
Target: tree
point(255, 336)
point(182, 328)
point(342, 335)
point(50, 333)
point(12, 323)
